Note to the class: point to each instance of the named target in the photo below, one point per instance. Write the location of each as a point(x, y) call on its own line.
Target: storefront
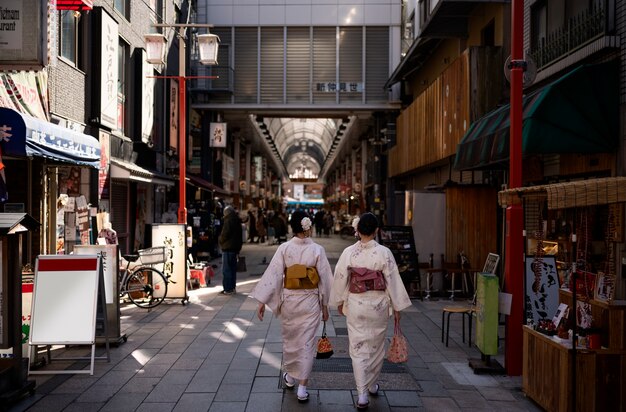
point(137, 196)
point(48, 172)
point(574, 280)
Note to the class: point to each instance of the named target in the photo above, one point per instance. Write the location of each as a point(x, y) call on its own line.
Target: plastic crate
point(153, 255)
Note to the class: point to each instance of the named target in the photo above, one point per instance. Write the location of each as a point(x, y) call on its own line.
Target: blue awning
point(27, 136)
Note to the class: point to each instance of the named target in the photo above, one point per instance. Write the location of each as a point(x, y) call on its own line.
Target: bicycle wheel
point(146, 287)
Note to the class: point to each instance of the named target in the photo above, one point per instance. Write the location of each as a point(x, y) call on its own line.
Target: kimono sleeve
point(269, 290)
point(397, 292)
point(326, 276)
point(339, 290)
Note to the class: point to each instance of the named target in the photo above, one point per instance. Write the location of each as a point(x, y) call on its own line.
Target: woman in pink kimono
point(301, 309)
point(367, 304)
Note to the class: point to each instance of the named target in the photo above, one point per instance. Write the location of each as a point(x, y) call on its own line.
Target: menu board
point(400, 240)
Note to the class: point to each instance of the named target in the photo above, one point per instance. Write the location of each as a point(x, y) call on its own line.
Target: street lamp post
point(155, 49)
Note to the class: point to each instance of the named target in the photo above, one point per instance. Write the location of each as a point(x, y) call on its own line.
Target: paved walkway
point(213, 354)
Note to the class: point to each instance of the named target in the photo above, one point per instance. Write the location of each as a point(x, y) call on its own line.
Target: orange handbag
point(324, 347)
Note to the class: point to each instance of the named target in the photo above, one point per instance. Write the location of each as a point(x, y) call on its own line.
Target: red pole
point(182, 127)
point(514, 266)
point(182, 152)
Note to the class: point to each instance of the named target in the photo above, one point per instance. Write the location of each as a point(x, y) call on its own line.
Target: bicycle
point(145, 285)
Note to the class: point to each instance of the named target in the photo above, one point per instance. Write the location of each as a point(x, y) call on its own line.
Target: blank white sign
point(64, 301)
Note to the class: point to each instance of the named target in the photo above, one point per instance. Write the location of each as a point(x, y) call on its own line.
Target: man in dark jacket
point(230, 243)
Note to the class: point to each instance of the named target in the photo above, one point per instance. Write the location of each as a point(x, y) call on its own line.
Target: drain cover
point(341, 331)
point(345, 365)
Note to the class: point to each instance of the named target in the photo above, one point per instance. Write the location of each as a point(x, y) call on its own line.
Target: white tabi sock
point(301, 391)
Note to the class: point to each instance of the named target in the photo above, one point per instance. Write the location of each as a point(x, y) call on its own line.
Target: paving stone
point(152, 370)
point(496, 394)
point(122, 402)
point(53, 403)
point(270, 384)
point(228, 407)
point(166, 393)
point(82, 407)
point(75, 385)
point(233, 392)
point(186, 364)
point(402, 398)
point(178, 377)
point(331, 397)
point(156, 407)
point(116, 377)
point(439, 404)
point(139, 384)
point(468, 398)
point(98, 393)
point(264, 402)
point(239, 376)
point(194, 402)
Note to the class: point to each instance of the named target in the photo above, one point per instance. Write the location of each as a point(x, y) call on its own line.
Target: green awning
point(578, 113)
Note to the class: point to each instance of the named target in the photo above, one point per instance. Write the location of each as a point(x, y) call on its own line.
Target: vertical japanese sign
point(174, 114)
point(108, 75)
point(217, 136)
point(103, 171)
point(147, 99)
point(172, 236)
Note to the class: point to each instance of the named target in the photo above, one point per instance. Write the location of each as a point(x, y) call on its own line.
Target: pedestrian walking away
point(230, 243)
point(296, 287)
point(367, 289)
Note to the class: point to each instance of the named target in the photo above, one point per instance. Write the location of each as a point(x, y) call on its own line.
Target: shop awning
point(206, 185)
point(578, 113)
point(25, 136)
point(129, 171)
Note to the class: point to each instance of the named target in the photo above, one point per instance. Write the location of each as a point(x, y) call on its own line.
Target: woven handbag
point(324, 347)
point(398, 351)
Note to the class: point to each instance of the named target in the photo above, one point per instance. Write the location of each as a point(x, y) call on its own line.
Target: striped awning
point(578, 113)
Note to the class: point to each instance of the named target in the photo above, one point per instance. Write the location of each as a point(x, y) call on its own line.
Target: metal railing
point(579, 31)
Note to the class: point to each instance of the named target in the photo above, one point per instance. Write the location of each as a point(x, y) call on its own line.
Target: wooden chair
point(465, 311)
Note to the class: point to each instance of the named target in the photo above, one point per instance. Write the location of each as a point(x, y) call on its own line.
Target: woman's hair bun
point(368, 223)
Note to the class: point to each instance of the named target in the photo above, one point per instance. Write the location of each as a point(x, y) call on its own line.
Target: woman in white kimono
point(299, 310)
point(367, 306)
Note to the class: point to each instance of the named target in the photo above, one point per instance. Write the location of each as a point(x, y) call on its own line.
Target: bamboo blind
point(580, 193)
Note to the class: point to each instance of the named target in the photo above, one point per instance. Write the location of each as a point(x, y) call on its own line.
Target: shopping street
point(213, 354)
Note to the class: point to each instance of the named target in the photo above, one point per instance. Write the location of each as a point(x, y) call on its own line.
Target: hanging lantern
point(208, 45)
point(155, 48)
point(76, 5)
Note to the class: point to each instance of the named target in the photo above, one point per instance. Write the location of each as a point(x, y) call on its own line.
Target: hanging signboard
point(217, 136)
point(109, 48)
